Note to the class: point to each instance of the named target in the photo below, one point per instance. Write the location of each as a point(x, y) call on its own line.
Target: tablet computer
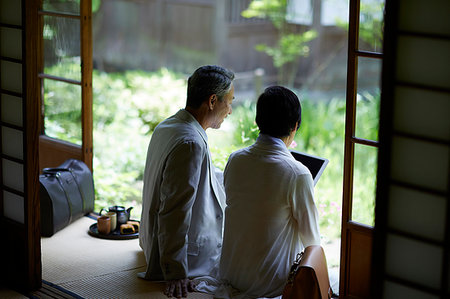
point(316, 165)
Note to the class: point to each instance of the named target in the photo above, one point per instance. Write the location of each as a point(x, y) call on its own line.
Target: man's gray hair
point(208, 80)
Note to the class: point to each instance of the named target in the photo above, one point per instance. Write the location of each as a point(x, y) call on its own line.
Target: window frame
point(54, 151)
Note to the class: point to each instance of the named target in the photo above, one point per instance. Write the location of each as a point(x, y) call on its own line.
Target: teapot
point(123, 215)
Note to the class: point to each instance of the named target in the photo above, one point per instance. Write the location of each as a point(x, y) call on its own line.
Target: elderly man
point(270, 214)
point(182, 204)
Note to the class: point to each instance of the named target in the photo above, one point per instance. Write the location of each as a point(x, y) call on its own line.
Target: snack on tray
point(135, 224)
point(126, 229)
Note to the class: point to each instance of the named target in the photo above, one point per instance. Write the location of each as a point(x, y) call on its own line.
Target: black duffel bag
point(66, 193)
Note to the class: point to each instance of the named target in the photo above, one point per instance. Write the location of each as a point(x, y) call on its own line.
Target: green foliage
point(156, 96)
point(121, 138)
point(289, 46)
point(246, 130)
point(220, 154)
point(62, 107)
point(322, 134)
point(364, 182)
point(371, 23)
point(274, 10)
point(322, 124)
point(367, 115)
point(96, 5)
point(107, 88)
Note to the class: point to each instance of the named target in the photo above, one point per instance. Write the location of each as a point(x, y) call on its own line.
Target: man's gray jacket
point(182, 204)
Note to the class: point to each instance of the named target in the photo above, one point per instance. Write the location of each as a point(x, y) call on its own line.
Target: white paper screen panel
point(13, 206)
point(422, 112)
point(11, 78)
point(11, 42)
point(420, 16)
point(395, 291)
point(420, 163)
point(11, 12)
point(11, 110)
point(416, 212)
point(12, 142)
point(12, 175)
point(423, 61)
point(413, 260)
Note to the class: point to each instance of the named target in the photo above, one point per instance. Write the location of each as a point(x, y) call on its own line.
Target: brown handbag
point(308, 278)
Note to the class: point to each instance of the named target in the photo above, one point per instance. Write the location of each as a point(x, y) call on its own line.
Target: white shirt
point(269, 218)
point(182, 202)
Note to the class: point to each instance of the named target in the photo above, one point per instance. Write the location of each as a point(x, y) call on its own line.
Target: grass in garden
point(128, 106)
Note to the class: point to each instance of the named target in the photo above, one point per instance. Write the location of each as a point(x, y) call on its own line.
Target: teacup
point(113, 217)
point(104, 225)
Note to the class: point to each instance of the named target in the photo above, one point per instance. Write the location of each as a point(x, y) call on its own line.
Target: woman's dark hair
point(208, 80)
point(277, 111)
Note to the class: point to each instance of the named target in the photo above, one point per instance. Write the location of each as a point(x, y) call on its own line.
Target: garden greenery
point(128, 105)
point(290, 45)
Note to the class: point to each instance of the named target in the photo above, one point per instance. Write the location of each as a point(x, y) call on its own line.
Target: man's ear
point(212, 100)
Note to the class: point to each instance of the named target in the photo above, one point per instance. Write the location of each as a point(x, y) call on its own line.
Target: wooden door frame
point(32, 208)
point(356, 238)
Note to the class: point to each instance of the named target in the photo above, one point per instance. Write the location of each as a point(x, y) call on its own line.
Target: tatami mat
point(97, 268)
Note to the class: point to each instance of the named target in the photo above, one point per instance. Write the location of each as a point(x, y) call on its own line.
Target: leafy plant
point(156, 96)
point(246, 130)
point(290, 46)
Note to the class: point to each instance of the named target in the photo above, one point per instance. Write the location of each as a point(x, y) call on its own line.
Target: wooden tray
point(115, 235)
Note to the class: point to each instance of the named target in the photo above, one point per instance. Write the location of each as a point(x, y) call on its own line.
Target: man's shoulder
point(178, 128)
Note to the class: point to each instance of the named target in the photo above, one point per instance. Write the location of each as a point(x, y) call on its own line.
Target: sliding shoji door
point(20, 260)
point(412, 236)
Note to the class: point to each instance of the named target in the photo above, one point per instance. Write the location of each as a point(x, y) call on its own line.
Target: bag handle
point(294, 267)
point(54, 170)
